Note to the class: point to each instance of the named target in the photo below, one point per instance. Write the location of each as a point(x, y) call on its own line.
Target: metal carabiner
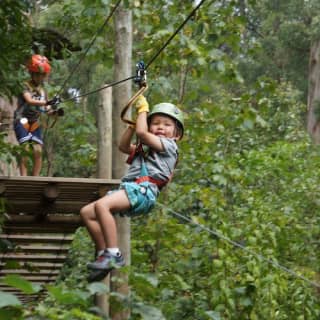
point(141, 80)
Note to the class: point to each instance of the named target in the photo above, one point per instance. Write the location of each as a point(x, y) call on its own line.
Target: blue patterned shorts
point(140, 196)
point(24, 135)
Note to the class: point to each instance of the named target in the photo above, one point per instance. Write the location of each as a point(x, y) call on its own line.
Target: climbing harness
point(144, 177)
point(143, 151)
point(141, 195)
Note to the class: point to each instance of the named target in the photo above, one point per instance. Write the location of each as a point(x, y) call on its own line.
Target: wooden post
point(121, 95)
point(313, 120)
point(104, 168)
point(105, 135)
point(6, 125)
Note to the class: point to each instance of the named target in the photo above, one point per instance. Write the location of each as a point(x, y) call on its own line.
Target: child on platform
point(31, 103)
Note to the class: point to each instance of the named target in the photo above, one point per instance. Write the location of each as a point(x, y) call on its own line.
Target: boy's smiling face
point(162, 125)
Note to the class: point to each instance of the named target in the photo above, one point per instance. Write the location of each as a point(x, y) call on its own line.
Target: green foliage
point(74, 271)
point(62, 303)
point(21, 284)
point(14, 45)
point(247, 170)
point(72, 153)
point(8, 152)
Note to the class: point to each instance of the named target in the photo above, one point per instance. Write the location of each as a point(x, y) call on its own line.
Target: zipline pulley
point(141, 74)
point(141, 80)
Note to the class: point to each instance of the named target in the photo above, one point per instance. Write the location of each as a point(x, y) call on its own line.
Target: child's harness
point(29, 114)
point(144, 174)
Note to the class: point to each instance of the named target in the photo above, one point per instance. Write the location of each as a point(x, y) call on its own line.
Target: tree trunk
point(313, 120)
point(6, 125)
point(105, 135)
point(121, 95)
point(104, 169)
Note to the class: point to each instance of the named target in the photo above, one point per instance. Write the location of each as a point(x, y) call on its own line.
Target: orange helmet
point(39, 64)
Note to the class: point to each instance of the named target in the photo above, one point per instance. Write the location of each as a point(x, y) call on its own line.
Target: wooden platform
point(40, 218)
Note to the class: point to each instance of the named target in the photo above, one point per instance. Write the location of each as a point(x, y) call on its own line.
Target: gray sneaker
point(107, 261)
point(97, 275)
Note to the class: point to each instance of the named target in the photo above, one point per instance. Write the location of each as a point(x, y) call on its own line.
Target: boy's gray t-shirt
point(160, 165)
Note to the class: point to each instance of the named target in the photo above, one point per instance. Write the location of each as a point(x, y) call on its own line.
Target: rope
point(89, 46)
point(238, 245)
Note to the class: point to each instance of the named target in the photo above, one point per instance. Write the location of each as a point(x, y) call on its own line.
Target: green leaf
point(151, 278)
point(245, 301)
point(214, 315)
point(148, 312)
point(67, 297)
point(18, 282)
point(98, 287)
point(8, 299)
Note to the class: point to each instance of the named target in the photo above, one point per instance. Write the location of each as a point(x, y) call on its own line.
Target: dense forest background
point(248, 169)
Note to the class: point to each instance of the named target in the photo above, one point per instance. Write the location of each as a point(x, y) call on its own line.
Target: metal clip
point(141, 74)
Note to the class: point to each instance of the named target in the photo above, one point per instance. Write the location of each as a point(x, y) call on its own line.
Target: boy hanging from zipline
point(152, 162)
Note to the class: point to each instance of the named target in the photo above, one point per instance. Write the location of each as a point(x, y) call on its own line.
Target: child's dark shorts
point(24, 135)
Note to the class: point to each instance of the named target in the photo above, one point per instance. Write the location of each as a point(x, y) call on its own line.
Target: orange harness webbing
point(145, 177)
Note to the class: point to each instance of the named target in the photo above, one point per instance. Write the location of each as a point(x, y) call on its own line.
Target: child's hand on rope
point(142, 104)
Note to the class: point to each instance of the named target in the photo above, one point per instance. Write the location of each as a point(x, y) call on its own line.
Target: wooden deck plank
point(26, 194)
point(27, 272)
point(37, 265)
point(34, 238)
point(40, 249)
point(34, 257)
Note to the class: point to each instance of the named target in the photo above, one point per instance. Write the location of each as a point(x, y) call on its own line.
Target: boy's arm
point(125, 145)
point(144, 135)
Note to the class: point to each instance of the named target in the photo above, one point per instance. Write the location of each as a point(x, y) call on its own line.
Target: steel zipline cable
point(89, 46)
point(99, 89)
point(175, 33)
point(238, 245)
point(151, 60)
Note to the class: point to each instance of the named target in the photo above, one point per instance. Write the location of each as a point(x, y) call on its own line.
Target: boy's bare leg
point(37, 156)
point(89, 218)
point(114, 202)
